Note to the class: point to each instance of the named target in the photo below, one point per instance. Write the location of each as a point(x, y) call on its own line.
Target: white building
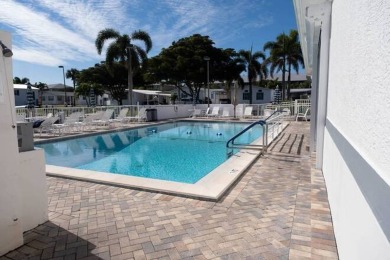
point(20, 92)
point(55, 95)
point(346, 51)
point(259, 95)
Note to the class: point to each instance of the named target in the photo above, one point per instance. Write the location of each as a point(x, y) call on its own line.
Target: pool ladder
point(231, 145)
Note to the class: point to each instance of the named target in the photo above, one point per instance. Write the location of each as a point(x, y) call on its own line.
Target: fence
point(174, 111)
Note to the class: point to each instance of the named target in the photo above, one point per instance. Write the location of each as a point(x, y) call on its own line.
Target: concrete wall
point(356, 154)
point(32, 181)
point(11, 235)
point(23, 197)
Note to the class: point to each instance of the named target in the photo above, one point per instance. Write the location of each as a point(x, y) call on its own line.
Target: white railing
point(173, 111)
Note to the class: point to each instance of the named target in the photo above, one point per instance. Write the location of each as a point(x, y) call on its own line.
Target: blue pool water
point(181, 151)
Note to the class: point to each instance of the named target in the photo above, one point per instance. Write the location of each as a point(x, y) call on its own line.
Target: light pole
point(63, 72)
point(129, 75)
point(207, 59)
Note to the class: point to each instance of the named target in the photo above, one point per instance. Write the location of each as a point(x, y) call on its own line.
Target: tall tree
point(122, 50)
point(285, 52)
point(253, 67)
point(183, 63)
point(73, 74)
point(113, 81)
point(231, 67)
point(294, 56)
point(42, 87)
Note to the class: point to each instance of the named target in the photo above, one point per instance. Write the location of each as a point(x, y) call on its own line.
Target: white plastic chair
point(121, 116)
point(302, 115)
point(248, 112)
point(141, 116)
point(214, 112)
point(226, 112)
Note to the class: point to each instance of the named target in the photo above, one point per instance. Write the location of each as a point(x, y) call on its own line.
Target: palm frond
point(144, 37)
point(104, 35)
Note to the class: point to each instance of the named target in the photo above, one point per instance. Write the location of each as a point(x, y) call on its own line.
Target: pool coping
point(210, 187)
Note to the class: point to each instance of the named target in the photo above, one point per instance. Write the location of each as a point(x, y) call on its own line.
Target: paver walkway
point(278, 210)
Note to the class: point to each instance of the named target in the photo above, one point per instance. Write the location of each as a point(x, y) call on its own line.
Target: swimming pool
point(182, 152)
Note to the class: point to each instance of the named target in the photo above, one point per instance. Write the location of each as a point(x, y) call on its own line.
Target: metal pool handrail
point(264, 124)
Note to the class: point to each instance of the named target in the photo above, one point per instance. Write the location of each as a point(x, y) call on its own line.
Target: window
point(59, 98)
point(16, 92)
point(259, 95)
point(43, 98)
point(246, 95)
point(50, 98)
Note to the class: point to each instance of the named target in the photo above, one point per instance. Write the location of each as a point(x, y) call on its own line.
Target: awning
point(151, 92)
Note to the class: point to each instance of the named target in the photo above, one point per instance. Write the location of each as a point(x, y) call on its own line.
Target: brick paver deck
point(278, 210)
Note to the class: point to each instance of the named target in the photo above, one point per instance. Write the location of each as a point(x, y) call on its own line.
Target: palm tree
point(294, 56)
point(253, 67)
point(73, 74)
point(17, 80)
point(285, 52)
point(42, 87)
point(122, 50)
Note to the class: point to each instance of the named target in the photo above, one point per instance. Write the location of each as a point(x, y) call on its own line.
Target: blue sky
point(49, 33)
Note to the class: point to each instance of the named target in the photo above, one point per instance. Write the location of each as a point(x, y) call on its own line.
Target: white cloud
point(52, 32)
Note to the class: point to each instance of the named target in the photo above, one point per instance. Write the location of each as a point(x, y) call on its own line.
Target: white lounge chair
point(105, 119)
point(70, 123)
point(248, 112)
point(141, 116)
point(214, 112)
point(226, 112)
point(302, 115)
point(197, 113)
point(121, 116)
point(88, 122)
point(46, 125)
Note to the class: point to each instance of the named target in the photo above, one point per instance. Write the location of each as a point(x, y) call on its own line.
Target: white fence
point(174, 111)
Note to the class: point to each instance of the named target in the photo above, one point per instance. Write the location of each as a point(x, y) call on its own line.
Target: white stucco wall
point(356, 161)
point(23, 191)
point(11, 235)
point(32, 180)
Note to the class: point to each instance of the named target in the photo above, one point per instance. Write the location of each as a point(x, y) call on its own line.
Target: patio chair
point(121, 116)
point(214, 112)
point(226, 112)
point(197, 113)
point(141, 116)
point(46, 125)
point(302, 115)
point(70, 123)
point(105, 119)
point(248, 112)
point(87, 123)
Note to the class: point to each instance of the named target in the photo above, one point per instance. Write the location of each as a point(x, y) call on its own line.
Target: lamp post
point(207, 59)
point(63, 72)
point(129, 75)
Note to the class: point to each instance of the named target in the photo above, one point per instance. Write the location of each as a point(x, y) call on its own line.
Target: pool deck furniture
point(214, 112)
point(248, 112)
point(141, 116)
point(302, 115)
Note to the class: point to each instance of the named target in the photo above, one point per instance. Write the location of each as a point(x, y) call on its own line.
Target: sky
point(50, 33)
